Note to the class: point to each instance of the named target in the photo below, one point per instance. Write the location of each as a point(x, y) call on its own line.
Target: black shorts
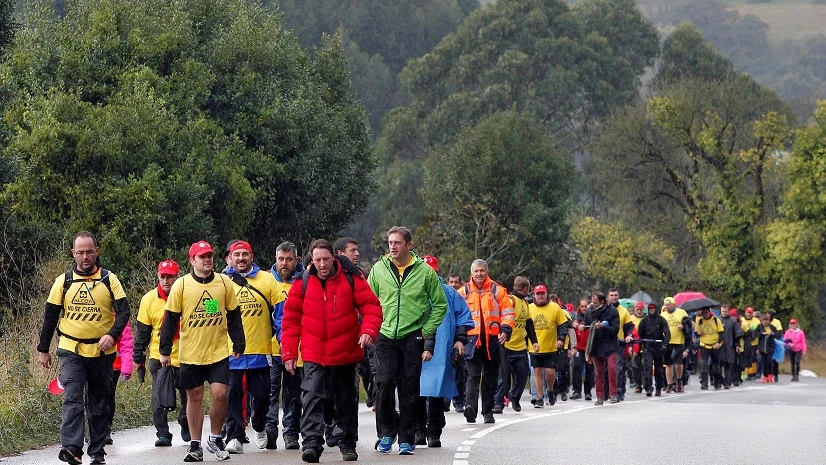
point(544, 360)
point(674, 354)
point(193, 376)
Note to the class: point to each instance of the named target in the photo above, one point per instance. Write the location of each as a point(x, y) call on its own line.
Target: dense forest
point(657, 145)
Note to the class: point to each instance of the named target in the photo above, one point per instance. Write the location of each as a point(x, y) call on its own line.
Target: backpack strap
point(68, 280)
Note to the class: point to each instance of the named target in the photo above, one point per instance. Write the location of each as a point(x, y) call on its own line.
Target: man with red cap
point(203, 303)
point(751, 335)
point(148, 336)
point(551, 324)
point(257, 293)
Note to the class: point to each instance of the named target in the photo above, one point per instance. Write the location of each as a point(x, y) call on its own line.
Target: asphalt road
point(753, 424)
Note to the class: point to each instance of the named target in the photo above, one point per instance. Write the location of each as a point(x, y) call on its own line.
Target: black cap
point(229, 244)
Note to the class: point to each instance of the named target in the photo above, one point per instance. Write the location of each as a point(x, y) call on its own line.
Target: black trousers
point(461, 384)
point(258, 385)
point(399, 364)
point(652, 360)
point(794, 359)
point(728, 373)
point(485, 372)
point(430, 416)
point(87, 386)
point(329, 382)
point(159, 415)
point(709, 366)
point(635, 369)
point(766, 363)
point(563, 372)
point(578, 366)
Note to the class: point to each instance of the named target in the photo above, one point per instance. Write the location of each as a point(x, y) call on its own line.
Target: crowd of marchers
point(290, 347)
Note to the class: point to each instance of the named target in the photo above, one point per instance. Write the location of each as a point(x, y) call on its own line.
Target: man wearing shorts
point(551, 326)
point(676, 352)
point(201, 310)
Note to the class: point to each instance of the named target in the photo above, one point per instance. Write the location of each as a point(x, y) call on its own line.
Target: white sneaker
point(261, 439)
point(234, 447)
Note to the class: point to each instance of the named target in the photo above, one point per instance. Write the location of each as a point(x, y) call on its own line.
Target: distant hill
point(787, 19)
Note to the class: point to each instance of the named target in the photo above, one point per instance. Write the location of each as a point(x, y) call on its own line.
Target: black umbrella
point(696, 304)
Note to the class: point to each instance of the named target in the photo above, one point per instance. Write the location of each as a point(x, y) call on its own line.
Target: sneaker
point(576, 396)
point(588, 396)
point(420, 439)
point(726, 386)
point(459, 409)
point(638, 390)
point(470, 414)
point(552, 400)
point(108, 441)
point(406, 449)
point(564, 396)
point(331, 440)
point(516, 406)
point(195, 454)
point(216, 446)
point(185, 436)
point(349, 454)
point(434, 442)
point(704, 387)
point(163, 442)
point(98, 459)
point(310, 455)
point(598, 402)
point(291, 443)
point(489, 418)
point(385, 445)
point(272, 439)
point(540, 403)
point(234, 446)
point(497, 410)
point(765, 379)
point(649, 392)
point(533, 400)
point(716, 387)
point(658, 392)
point(68, 455)
point(620, 397)
point(613, 400)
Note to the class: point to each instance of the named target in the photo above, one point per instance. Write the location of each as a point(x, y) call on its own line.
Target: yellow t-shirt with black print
point(709, 330)
point(675, 319)
point(546, 320)
point(521, 314)
point(203, 308)
point(88, 311)
point(256, 312)
point(151, 313)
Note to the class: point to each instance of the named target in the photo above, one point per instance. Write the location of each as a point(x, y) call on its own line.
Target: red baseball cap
point(749, 310)
point(432, 261)
point(240, 245)
point(639, 305)
point(168, 267)
point(793, 321)
point(540, 288)
point(733, 312)
point(569, 307)
point(200, 248)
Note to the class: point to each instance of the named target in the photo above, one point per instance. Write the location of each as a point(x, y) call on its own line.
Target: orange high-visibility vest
point(490, 303)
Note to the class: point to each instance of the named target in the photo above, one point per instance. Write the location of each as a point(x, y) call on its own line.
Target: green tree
point(564, 67)
point(796, 240)
point(502, 193)
point(158, 123)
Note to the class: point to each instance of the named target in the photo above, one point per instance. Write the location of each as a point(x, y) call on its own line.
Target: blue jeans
point(289, 388)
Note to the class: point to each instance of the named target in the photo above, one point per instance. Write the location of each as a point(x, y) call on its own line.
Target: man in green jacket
point(413, 305)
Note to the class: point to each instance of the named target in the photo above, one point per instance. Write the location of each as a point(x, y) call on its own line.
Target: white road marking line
point(470, 429)
point(460, 462)
point(463, 449)
point(461, 455)
point(468, 443)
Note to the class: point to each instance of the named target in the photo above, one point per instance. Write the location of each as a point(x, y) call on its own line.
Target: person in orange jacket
point(493, 317)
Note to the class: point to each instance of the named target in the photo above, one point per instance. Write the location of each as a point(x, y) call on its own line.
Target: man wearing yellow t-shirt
point(256, 292)
point(677, 319)
point(205, 305)
point(88, 308)
point(709, 328)
point(148, 336)
point(551, 326)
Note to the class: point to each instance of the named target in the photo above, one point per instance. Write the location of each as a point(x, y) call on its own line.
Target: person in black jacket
point(604, 322)
point(654, 328)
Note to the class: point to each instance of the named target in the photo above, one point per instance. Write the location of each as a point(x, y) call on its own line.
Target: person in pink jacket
point(795, 340)
point(120, 370)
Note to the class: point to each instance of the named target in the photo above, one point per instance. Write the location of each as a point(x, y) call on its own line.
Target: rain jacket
point(496, 310)
point(438, 375)
point(795, 340)
point(417, 303)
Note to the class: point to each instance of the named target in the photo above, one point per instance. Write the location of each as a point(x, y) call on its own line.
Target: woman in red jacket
point(332, 314)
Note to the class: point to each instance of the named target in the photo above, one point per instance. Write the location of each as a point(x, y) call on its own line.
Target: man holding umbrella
point(709, 329)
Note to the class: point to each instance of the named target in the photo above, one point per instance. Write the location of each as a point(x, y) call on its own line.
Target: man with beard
point(256, 293)
point(604, 321)
point(88, 308)
point(653, 327)
point(286, 269)
point(732, 335)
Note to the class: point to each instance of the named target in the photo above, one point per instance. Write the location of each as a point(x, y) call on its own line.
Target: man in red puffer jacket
point(333, 315)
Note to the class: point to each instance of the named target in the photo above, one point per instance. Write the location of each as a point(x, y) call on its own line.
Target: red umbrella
point(688, 295)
